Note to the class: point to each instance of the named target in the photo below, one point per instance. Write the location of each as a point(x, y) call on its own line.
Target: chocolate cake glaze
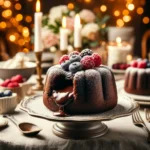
point(87, 91)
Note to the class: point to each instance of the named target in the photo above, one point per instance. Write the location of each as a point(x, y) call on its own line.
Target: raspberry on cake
point(87, 87)
point(87, 62)
point(97, 59)
point(63, 59)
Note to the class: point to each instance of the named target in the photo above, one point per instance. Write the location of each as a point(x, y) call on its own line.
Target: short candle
point(118, 51)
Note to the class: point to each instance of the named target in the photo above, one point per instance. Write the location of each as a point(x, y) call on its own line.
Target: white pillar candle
point(77, 32)
point(37, 28)
point(63, 35)
point(118, 52)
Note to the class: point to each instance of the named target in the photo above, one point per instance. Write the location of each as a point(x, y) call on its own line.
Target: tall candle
point(77, 32)
point(63, 35)
point(37, 26)
point(118, 51)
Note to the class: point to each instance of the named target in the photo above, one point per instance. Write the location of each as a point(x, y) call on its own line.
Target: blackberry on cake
point(86, 52)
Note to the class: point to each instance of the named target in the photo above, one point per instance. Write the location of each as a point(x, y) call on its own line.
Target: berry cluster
point(13, 82)
point(121, 66)
point(77, 61)
point(5, 93)
point(139, 63)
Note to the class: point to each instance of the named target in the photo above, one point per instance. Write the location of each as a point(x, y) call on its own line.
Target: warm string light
point(70, 6)
point(130, 6)
point(103, 8)
point(87, 1)
point(146, 20)
point(19, 17)
point(120, 23)
point(126, 18)
point(1, 2)
point(140, 10)
point(18, 6)
point(125, 12)
point(12, 18)
point(28, 19)
point(116, 13)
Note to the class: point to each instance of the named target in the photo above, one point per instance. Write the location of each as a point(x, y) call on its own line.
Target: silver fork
point(147, 114)
point(138, 121)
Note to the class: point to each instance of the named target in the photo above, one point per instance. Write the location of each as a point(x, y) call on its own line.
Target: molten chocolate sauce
point(62, 98)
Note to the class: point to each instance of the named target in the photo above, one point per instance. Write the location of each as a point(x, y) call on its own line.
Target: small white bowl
point(8, 104)
point(21, 91)
point(6, 73)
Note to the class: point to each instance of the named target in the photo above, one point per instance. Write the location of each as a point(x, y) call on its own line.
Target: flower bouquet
point(93, 27)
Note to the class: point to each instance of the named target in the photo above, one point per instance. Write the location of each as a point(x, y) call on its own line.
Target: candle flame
point(38, 6)
point(64, 22)
point(118, 40)
point(129, 58)
point(77, 20)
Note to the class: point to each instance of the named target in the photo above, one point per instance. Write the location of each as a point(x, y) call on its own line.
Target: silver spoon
point(26, 128)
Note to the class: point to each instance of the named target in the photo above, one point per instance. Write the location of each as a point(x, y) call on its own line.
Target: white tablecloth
point(122, 135)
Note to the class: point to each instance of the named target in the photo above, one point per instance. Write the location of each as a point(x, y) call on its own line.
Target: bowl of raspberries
point(17, 85)
point(8, 101)
point(76, 61)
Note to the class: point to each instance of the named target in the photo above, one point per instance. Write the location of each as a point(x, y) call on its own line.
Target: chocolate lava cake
point(79, 85)
point(137, 78)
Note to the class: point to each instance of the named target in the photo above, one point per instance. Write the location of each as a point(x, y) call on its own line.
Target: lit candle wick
point(118, 40)
point(77, 20)
point(38, 6)
point(64, 22)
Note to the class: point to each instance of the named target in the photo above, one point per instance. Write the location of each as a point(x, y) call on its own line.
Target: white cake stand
point(79, 126)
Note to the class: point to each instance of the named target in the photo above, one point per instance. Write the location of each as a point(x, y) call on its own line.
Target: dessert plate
point(79, 126)
point(33, 104)
point(141, 99)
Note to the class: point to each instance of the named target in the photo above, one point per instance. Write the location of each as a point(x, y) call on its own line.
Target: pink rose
point(87, 15)
point(50, 39)
point(70, 23)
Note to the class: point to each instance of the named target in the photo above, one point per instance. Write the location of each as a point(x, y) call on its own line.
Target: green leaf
point(58, 23)
point(94, 44)
point(104, 19)
point(45, 21)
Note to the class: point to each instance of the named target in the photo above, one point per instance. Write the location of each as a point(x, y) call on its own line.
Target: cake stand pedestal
point(79, 130)
point(79, 126)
